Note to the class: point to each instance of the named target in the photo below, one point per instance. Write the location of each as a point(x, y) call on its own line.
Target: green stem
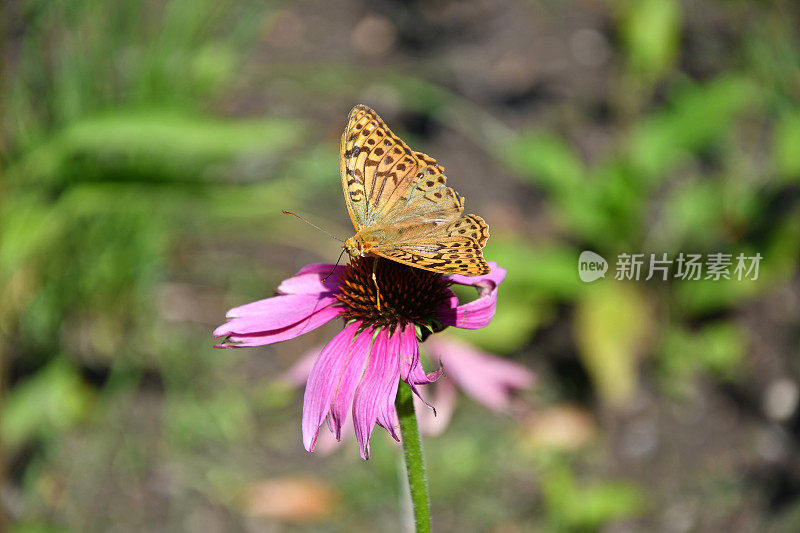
point(415, 465)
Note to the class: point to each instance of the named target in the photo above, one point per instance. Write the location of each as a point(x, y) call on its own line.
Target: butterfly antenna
point(334, 267)
point(313, 225)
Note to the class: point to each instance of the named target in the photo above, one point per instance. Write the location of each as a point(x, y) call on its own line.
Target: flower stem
point(415, 465)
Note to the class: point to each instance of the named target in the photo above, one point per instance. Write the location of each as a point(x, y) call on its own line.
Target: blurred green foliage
point(574, 508)
point(142, 183)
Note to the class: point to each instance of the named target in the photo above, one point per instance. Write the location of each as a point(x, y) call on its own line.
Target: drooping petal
point(345, 385)
point(410, 366)
point(411, 370)
point(236, 340)
point(409, 349)
point(387, 417)
point(272, 313)
point(477, 313)
point(487, 379)
point(320, 387)
point(375, 390)
point(309, 280)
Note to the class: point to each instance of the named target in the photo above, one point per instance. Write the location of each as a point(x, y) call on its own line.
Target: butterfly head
point(354, 247)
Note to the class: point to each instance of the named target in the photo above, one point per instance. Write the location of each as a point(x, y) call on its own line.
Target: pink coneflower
point(486, 378)
point(360, 368)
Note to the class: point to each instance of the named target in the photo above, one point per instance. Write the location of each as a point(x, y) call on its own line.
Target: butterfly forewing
point(399, 202)
point(377, 167)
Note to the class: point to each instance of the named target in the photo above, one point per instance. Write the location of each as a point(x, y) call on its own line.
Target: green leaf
point(697, 117)
point(51, 401)
point(538, 271)
point(546, 160)
point(152, 146)
point(786, 150)
point(224, 417)
point(29, 225)
point(612, 322)
point(692, 216)
point(650, 32)
point(571, 507)
point(718, 348)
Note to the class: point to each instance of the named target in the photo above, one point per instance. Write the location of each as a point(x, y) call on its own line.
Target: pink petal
point(478, 313)
point(375, 390)
point(408, 348)
point(345, 383)
point(411, 370)
point(309, 280)
point(272, 313)
point(387, 418)
point(270, 337)
point(487, 379)
point(492, 279)
point(320, 387)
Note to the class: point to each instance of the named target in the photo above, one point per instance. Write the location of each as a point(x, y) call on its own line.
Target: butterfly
point(400, 205)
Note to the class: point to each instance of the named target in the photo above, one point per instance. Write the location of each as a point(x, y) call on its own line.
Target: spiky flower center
point(397, 295)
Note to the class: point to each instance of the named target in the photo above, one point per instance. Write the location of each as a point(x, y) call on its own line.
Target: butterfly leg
point(375, 281)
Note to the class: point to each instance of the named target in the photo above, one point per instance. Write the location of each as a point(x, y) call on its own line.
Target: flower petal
point(309, 280)
point(387, 418)
point(319, 389)
point(487, 379)
point(345, 383)
point(411, 370)
point(478, 313)
point(272, 313)
point(375, 390)
point(262, 338)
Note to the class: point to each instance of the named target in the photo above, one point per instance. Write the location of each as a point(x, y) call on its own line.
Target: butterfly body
point(400, 205)
point(359, 245)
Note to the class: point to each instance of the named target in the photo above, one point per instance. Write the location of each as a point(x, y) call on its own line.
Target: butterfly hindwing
point(451, 255)
point(471, 226)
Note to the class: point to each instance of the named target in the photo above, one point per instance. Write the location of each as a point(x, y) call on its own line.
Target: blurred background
point(148, 147)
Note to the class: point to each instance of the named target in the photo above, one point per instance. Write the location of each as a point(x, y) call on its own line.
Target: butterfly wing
point(353, 175)
point(456, 248)
point(377, 167)
point(451, 255)
point(400, 197)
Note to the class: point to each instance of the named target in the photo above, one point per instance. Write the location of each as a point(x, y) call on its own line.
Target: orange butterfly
point(400, 206)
